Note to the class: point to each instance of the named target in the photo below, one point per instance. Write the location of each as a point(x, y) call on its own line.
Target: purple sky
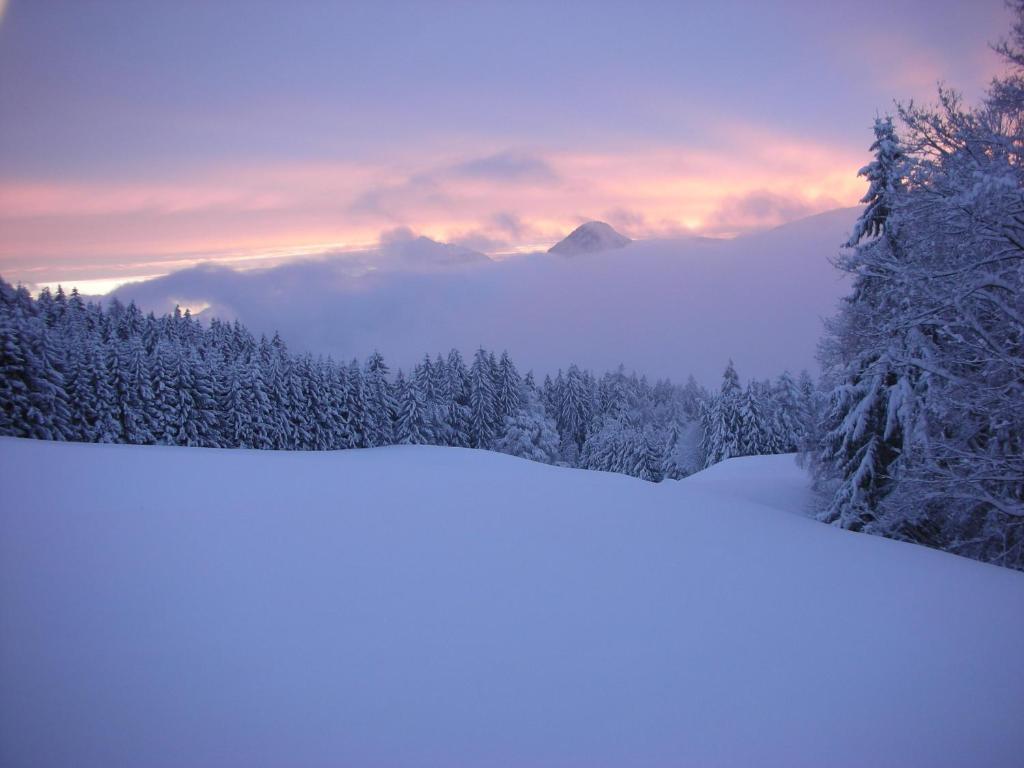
point(141, 136)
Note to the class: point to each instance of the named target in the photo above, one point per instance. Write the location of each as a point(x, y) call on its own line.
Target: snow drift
point(431, 606)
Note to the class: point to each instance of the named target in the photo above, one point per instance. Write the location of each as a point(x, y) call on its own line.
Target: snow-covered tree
point(413, 425)
point(722, 424)
point(483, 408)
point(381, 408)
point(507, 393)
point(529, 432)
point(574, 408)
point(924, 433)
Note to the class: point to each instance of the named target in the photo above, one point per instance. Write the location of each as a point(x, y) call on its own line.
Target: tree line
point(84, 371)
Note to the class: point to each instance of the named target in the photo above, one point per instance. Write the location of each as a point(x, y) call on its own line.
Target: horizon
point(266, 261)
point(243, 150)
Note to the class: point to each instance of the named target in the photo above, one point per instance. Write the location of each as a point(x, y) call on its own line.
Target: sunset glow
point(258, 163)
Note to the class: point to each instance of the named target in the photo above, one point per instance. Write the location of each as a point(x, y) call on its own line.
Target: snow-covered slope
point(661, 307)
point(591, 237)
point(432, 606)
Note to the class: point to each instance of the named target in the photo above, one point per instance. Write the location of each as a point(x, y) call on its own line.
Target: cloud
point(496, 202)
point(509, 224)
point(653, 296)
point(763, 208)
point(506, 167)
point(397, 235)
point(481, 241)
point(627, 221)
point(504, 232)
point(444, 187)
point(395, 201)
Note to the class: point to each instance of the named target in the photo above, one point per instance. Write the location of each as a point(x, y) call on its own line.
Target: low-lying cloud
point(665, 308)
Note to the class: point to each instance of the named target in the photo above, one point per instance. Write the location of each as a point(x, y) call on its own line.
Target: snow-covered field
point(433, 606)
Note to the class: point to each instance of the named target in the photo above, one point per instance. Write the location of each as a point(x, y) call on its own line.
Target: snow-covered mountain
point(592, 237)
point(672, 308)
point(438, 606)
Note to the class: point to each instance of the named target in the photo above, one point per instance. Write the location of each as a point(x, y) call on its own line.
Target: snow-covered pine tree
point(339, 387)
point(13, 366)
point(574, 409)
point(873, 395)
point(529, 432)
point(274, 364)
point(457, 395)
point(787, 413)
point(884, 176)
point(650, 455)
point(810, 402)
point(234, 406)
point(134, 391)
point(435, 408)
point(355, 405)
point(412, 427)
point(758, 435)
point(381, 407)
point(483, 412)
point(96, 389)
point(609, 447)
point(46, 412)
point(507, 395)
point(722, 425)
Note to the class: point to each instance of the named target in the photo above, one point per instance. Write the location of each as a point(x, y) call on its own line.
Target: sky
point(140, 137)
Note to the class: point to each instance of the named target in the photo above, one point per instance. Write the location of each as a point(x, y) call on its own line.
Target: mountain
point(592, 237)
point(439, 606)
point(673, 308)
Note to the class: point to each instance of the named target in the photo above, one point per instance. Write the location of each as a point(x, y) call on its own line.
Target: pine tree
point(788, 414)
point(412, 427)
point(650, 456)
point(134, 391)
point(355, 405)
point(722, 424)
point(529, 433)
point(381, 407)
point(234, 406)
point(13, 367)
point(872, 402)
point(507, 396)
point(757, 425)
point(574, 409)
point(46, 413)
point(884, 175)
point(483, 415)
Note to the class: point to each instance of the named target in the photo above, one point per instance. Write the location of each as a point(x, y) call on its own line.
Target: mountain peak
point(591, 237)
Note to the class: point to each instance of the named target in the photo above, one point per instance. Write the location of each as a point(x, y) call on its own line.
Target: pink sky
point(105, 230)
point(142, 137)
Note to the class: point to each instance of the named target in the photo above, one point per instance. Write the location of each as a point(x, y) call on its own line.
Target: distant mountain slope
point(592, 237)
point(416, 606)
point(673, 307)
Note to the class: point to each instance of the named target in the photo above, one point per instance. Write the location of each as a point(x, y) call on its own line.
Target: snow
point(434, 606)
point(591, 237)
